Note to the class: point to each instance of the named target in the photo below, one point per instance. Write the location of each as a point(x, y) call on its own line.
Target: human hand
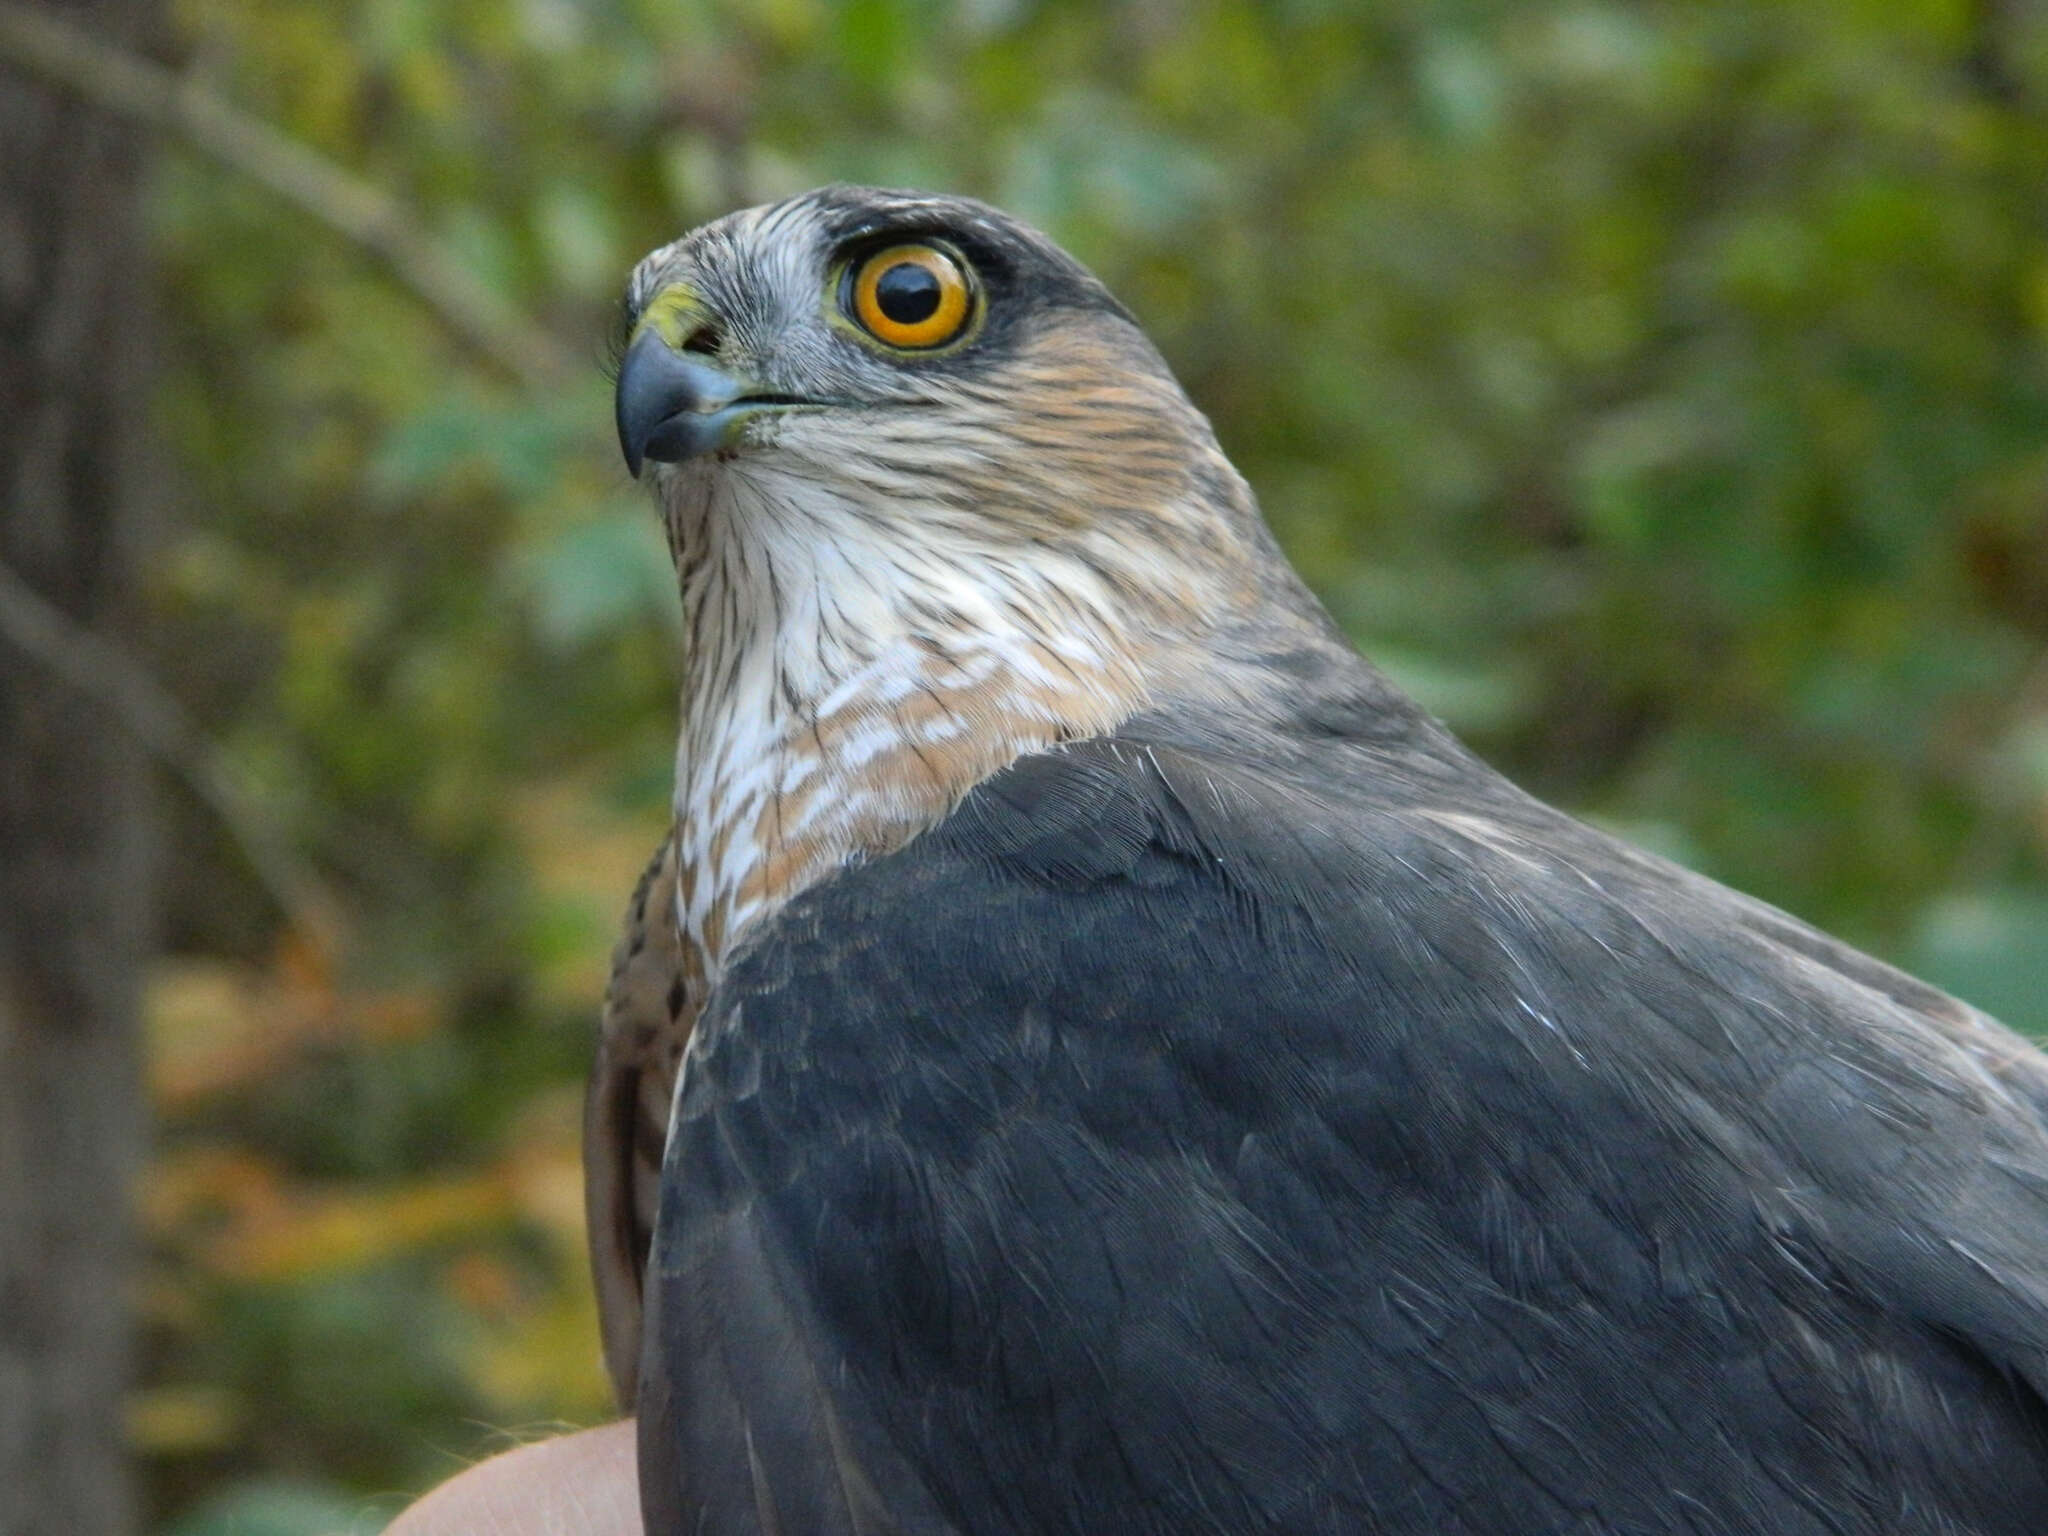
point(583, 1484)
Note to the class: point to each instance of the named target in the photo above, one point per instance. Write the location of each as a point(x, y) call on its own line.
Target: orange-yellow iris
point(912, 296)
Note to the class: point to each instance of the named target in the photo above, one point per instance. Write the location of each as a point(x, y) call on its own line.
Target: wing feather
point(626, 1109)
point(1173, 1142)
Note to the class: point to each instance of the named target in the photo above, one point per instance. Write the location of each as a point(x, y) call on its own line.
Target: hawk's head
point(883, 377)
point(935, 501)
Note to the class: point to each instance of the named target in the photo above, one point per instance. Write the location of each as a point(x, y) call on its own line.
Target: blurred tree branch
point(118, 81)
point(77, 820)
point(104, 670)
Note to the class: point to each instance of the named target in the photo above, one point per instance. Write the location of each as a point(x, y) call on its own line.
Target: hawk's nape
point(1143, 1075)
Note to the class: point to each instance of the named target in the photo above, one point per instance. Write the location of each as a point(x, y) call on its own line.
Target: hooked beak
point(670, 407)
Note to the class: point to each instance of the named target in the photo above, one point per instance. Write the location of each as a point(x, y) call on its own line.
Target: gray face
point(766, 298)
point(764, 308)
point(1037, 459)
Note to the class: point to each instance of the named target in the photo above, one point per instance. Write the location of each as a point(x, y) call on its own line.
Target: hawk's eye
point(912, 296)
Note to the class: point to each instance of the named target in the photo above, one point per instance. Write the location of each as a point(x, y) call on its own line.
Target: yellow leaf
point(347, 1230)
point(182, 1420)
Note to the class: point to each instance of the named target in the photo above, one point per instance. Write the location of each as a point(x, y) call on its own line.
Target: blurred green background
point(1660, 391)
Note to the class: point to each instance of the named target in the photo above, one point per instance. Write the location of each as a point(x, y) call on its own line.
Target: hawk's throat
point(845, 685)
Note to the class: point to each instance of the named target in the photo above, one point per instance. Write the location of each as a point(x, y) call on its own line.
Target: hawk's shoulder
point(1189, 1135)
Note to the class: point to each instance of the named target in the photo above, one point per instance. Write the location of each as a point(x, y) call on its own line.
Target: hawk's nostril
point(706, 339)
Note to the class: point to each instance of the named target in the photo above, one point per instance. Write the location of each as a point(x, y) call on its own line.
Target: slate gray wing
point(1166, 1146)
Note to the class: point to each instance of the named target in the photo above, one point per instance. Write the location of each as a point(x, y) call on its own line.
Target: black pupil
point(908, 293)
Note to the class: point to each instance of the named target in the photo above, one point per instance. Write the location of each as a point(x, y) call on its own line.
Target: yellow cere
point(675, 314)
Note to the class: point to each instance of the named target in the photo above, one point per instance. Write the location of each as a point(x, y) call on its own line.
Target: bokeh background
point(1660, 391)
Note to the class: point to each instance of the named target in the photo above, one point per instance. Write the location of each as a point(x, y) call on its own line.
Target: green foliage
point(278, 1509)
point(1658, 389)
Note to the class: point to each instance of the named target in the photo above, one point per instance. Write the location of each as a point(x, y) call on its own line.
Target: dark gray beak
point(670, 407)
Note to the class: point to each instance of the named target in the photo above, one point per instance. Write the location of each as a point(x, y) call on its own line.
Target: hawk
point(1094, 1057)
